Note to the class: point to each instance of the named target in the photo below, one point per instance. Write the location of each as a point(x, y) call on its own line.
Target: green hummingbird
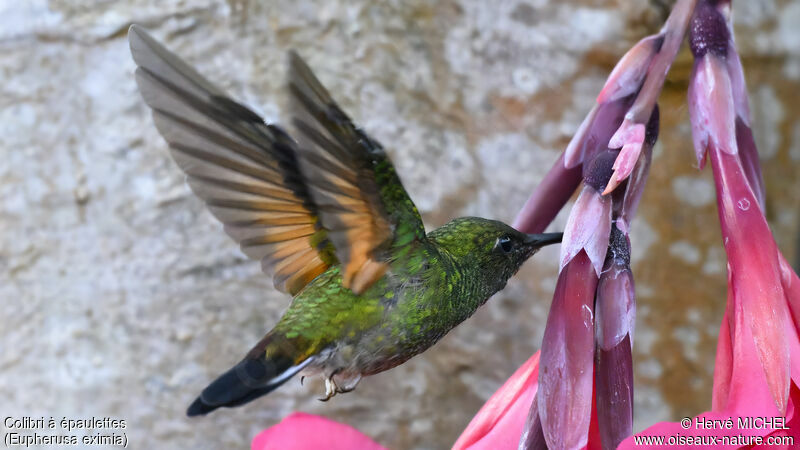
point(329, 219)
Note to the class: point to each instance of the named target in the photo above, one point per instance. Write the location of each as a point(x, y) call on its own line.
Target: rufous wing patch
point(245, 171)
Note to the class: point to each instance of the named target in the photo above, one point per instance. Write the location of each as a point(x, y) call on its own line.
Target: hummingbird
point(327, 216)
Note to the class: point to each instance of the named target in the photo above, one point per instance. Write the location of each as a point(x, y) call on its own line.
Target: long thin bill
point(540, 240)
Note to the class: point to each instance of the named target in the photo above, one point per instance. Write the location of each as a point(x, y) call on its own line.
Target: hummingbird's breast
point(405, 312)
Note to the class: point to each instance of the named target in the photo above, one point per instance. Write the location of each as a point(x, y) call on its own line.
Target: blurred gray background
point(122, 297)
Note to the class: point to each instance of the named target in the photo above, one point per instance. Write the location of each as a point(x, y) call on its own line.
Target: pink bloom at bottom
point(499, 422)
point(754, 401)
point(300, 431)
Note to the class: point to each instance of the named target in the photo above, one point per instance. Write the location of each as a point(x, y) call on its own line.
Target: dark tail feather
point(246, 381)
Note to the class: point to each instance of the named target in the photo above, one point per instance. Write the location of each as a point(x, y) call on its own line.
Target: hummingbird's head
point(488, 249)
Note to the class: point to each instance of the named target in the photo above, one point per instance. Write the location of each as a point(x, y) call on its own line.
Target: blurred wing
point(359, 198)
point(245, 171)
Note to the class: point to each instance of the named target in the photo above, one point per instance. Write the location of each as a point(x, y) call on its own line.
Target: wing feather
point(332, 197)
point(245, 171)
point(360, 199)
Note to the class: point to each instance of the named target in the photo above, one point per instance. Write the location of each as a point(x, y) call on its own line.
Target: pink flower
point(758, 354)
point(500, 421)
point(582, 363)
point(497, 425)
point(586, 359)
point(641, 72)
point(566, 379)
point(758, 321)
point(300, 431)
point(615, 313)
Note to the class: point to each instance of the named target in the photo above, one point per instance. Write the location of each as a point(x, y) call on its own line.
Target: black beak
point(540, 240)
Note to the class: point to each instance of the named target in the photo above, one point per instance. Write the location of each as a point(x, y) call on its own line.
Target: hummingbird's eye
point(504, 244)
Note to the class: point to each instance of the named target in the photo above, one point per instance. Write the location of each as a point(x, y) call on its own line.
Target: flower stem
point(548, 198)
point(674, 30)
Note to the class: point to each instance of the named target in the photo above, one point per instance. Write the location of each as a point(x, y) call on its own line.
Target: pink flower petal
point(723, 365)
point(566, 374)
point(754, 401)
point(614, 386)
point(699, 120)
point(702, 433)
point(707, 437)
point(749, 158)
point(500, 421)
point(638, 178)
point(627, 133)
point(738, 85)
point(588, 228)
point(615, 309)
point(748, 390)
point(595, 131)
point(624, 165)
point(758, 296)
point(630, 136)
point(300, 431)
point(532, 437)
point(711, 107)
point(629, 73)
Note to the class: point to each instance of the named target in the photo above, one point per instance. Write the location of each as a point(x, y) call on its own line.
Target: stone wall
point(122, 296)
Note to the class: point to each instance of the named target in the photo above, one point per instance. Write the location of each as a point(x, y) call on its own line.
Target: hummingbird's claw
point(330, 389)
point(344, 390)
point(347, 384)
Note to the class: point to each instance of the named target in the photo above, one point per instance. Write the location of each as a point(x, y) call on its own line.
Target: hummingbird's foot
point(330, 389)
point(345, 384)
point(340, 383)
